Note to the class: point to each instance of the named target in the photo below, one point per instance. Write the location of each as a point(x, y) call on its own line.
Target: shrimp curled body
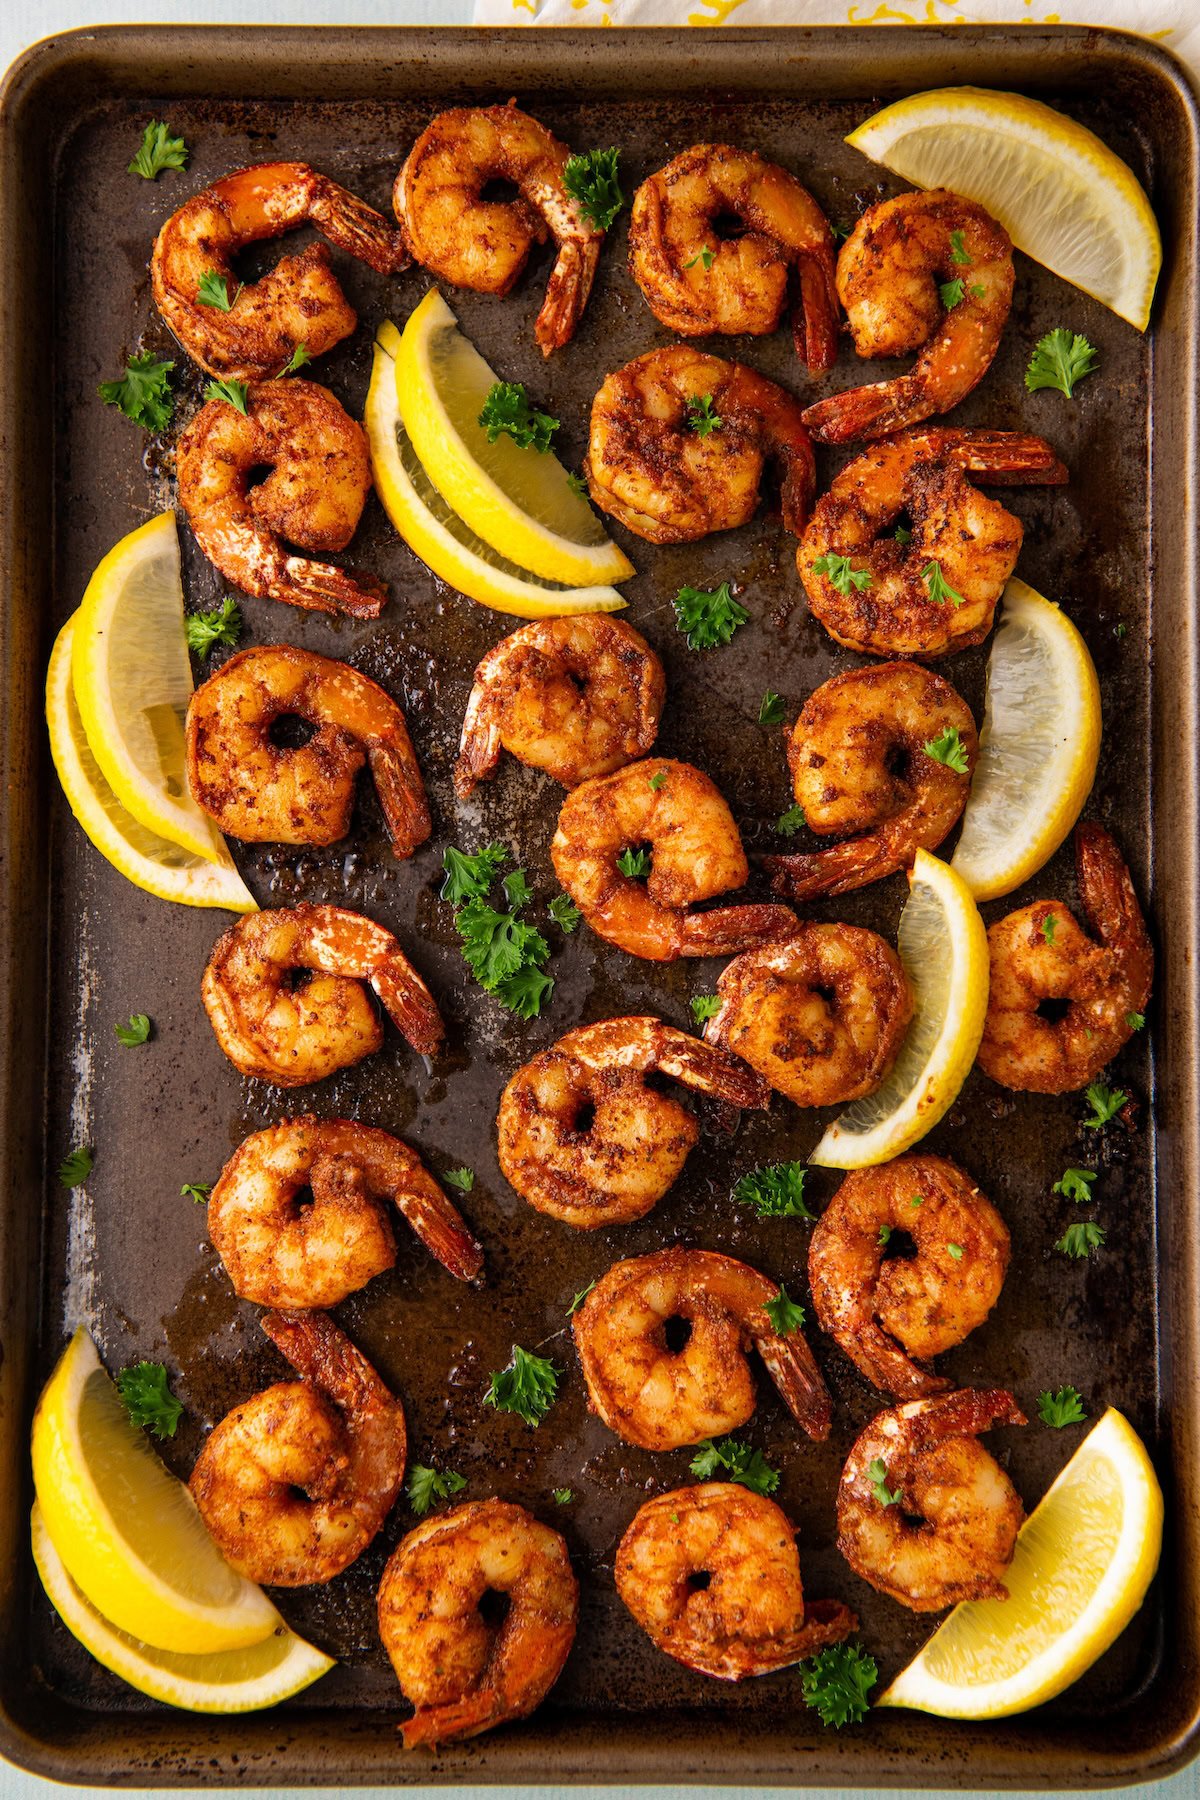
point(463, 1673)
point(1061, 1005)
point(861, 760)
point(296, 1482)
point(299, 302)
point(618, 1162)
point(821, 1016)
point(280, 1252)
point(484, 244)
point(925, 271)
point(948, 1534)
point(291, 1035)
point(696, 282)
point(577, 697)
point(263, 793)
point(661, 1398)
point(320, 476)
point(712, 1576)
point(893, 1314)
point(660, 467)
point(673, 812)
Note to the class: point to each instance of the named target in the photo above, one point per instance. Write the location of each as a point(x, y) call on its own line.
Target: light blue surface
point(22, 22)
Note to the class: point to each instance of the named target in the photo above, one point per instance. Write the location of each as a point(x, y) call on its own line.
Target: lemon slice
point(1038, 748)
point(943, 946)
point(127, 1531)
point(439, 537)
point(1083, 1561)
point(1061, 194)
point(223, 1681)
point(133, 682)
point(149, 861)
point(520, 501)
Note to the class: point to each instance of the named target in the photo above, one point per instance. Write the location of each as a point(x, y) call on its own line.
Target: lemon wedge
point(127, 1531)
point(1038, 748)
point(943, 946)
point(520, 501)
point(425, 522)
point(1061, 194)
point(1083, 1561)
point(149, 861)
point(133, 682)
point(223, 1681)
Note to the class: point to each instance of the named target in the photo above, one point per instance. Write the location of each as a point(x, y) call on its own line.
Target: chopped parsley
point(709, 616)
point(634, 863)
point(956, 1251)
point(507, 411)
point(1063, 1407)
point(948, 748)
point(235, 392)
point(297, 360)
point(658, 780)
point(197, 1191)
point(564, 912)
point(1135, 1020)
point(885, 1236)
point(1076, 1184)
point(136, 1032)
point(148, 1398)
point(775, 1191)
point(786, 1315)
point(75, 1168)
point(462, 1179)
point(578, 484)
point(579, 1299)
point(704, 1006)
point(839, 574)
point(877, 1474)
point(527, 1387)
point(158, 151)
point(837, 1684)
point(704, 256)
point(221, 625)
point(1080, 1240)
point(591, 179)
point(1105, 1103)
point(1061, 360)
point(425, 1485)
point(938, 588)
point(789, 823)
point(143, 393)
point(702, 416)
point(771, 710)
point(958, 249)
point(562, 1496)
point(214, 291)
point(504, 952)
point(737, 1461)
point(1049, 927)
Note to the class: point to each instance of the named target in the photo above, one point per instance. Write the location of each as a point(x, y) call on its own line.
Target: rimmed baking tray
point(80, 949)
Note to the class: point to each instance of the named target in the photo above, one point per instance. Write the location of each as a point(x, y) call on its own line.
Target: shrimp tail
point(728, 930)
point(320, 1352)
point(1111, 904)
point(870, 411)
point(453, 1720)
point(793, 1368)
point(438, 1224)
point(712, 1070)
point(320, 587)
point(357, 228)
point(401, 791)
point(1005, 458)
point(889, 1366)
point(815, 319)
point(825, 1622)
point(837, 870)
point(409, 1004)
point(567, 292)
point(479, 746)
point(965, 1413)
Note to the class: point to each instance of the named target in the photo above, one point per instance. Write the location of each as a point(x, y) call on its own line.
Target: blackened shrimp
point(1061, 1005)
point(935, 590)
point(888, 751)
point(926, 271)
point(712, 1576)
point(892, 1314)
point(659, 1393)
point(679, 442)
point(924, 1513)
point(462, 1671)
point(577, 697)
point(584, 1138)
point(294, 1032)
point(479, 243)
point(313, 496)
point(821, 1016)
point(301, 1214)
point(250, 330)
point(296, 1482)
point(264, 792)
point(697, 281)
point(637, 850)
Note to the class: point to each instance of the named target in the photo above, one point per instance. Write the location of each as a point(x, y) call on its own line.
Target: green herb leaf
point(507, 411)
point(885, 1236)
point(902, 535)
point(789, 823)
point(702, 416)
point(877, 1472)
point(634, 863)
point(938, 588)
point(1061, 361)
point(749, 1468)
point(839, 233)
point(197, 1191)
point(958, 249)
point(1049, 927)
point(917, 1200)
point(839, 574)
point(1135, 1020)
point(75, 1168)
point(462, 1179)
point(158, 151)
point(525, 990)
point(297, 360)
point(562, 1496)
point(956, 1251)
point(1105, 1103)
point(143, 393)
point(786, 1315)
point(771, 710)
point(977, 290)
point(578, 485)
point(1076, 1184)
point(148, 1398)
point(564, 912)
point(592, 180)
point(658, 779)
point(948, 748)
point(951, 292)
point(236, 392)
point(579, 1299)
point(775, 1191)
point(469, 876)
point(517, 890)
point(704, 1006)
point(837, 1684)
point(704, 256)
point(425, 1485)
point(221, 625)
point(136, 1032)
point(1063, 1407)
point(710, 616)
point(1080, 1240)
point(527, 1387)
point(214, 291)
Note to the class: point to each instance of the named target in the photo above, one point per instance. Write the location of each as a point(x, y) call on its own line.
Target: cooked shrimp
point(947, 1529)
point(294, 1483)
point(678, 442)
point(712, 1576)
point(462, 1672)
point(1061, 1005)
point(577, 697)
point(320, 476)
point(938, 589)
point(263, 793)
point(930, 272)
point(299, 1215)
point(861, 756)
point(821, 1016)
point(893, 1313)
point(673, 813)
point(584, 1138)
point(660, 1394)
point(299, 302)
point(484, 244)
point(696, 281)
point(290, 1032)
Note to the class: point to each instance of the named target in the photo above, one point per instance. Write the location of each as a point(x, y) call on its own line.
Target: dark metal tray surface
point(82, 948)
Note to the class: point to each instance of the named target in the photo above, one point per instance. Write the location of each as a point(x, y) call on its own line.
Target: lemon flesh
point(1062, 195)
point(127, 1531)
point(133, 682)
point(1038, 748)
point(151, 862)
point(426, 523)
point(222, 1681)
point(943, 947)
point(519, 501)
point(1083, 1561)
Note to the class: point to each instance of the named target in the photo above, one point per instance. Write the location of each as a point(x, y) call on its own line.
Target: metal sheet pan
point(79, 948)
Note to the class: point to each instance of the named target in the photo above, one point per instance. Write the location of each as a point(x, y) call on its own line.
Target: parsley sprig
point(76, 1166)
point(786, 1315)
point(143, 393)
point(702, 415)
point(1076, 1184)
point(878, 1476)
point(220, 625)
point(634, 864)
point(564, 912)
point(1081, 1239)
point(938, 588)
point(704, 1006)
point(235, 392)
point(837, 1684)
point(507, 411)
point(704, 256)
point(789, 823)
point(527, 1387)
point(592, 180)
point(579, 1298)
point(948, 748)
point(425, 1485)
point(158, 151)
point(1105, 1103)
point(136, 1032)
point(839, 574)
point(214, 291)
point(735, 1462)
point(1063, 1407)
point(505, 953)
point(462, 1179)
point(775, 1191)
point(197, 1191)
point(771, 710)
point(1061, 360)
point(148, 1398)
point(709, 616)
